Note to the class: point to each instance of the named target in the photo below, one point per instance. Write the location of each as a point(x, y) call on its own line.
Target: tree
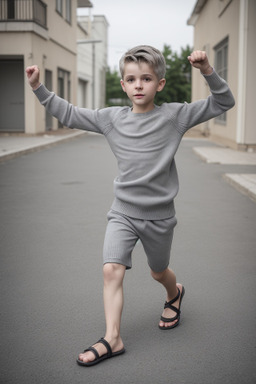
point(178, 77)
point(114, 93)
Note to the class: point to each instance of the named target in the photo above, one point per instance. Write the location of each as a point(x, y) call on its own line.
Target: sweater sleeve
point(220, 100)
point(68, 114)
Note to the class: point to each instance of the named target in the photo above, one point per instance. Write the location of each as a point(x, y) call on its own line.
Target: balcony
point(24, 11)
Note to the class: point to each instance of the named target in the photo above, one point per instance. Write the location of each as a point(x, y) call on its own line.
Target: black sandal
point(98, 358)
point(177, 310)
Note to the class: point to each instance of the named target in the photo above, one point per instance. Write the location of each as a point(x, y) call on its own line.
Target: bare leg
point(113, 303)
point(168, 279)
point(113, 299)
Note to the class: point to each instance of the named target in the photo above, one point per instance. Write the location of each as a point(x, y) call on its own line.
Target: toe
point(166, 325)
point(171, 324)
point(86, 357)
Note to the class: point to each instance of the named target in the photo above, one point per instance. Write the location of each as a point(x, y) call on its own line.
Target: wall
point(210, 29)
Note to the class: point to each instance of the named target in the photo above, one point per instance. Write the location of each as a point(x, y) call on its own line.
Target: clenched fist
point(33, 75)
point(199, 60)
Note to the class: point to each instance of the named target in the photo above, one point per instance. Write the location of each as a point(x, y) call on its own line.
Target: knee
point(113, 272)
point(158, 276)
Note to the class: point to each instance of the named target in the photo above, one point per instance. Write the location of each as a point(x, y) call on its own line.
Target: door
point(12, 95)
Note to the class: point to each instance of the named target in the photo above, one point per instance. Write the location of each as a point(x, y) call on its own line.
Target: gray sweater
point(144, 144)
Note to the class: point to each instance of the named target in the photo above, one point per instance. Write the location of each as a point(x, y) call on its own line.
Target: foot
point(115, 344)
point(169, 313)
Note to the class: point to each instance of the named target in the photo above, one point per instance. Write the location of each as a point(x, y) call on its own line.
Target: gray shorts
point(123, 232)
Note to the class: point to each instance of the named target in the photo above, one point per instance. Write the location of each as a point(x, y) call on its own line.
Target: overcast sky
point(151, 22)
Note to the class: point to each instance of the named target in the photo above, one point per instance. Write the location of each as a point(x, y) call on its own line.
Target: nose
point(138, 84)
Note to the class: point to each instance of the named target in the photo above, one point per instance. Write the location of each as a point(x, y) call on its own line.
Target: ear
point(122, 85)
point(161, 85)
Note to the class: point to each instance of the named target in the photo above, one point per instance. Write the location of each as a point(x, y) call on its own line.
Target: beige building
point(226, 30)
point(43, 33)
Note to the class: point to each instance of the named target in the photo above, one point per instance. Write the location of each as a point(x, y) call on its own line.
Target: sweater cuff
point(42, 93)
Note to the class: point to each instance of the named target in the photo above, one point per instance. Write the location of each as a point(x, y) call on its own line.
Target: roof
point(196, 11)
point(84, 4)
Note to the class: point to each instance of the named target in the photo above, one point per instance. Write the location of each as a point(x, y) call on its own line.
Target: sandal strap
point(170, 320)
point(106, 344)
point(95, 352)
point(169, 303)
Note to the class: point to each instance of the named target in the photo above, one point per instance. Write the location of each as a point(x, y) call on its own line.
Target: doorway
point(12, 95)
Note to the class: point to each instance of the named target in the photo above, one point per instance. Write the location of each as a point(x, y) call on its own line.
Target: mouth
point(139, 95)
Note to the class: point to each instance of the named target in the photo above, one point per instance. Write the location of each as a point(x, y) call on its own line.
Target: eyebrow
point(144, 74)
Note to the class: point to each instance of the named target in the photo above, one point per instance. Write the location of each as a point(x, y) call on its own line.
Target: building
point(43, 33)
point(226, 30)
point(92, 60)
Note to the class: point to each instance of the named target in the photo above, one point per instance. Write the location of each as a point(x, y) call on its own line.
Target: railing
point(23, 10)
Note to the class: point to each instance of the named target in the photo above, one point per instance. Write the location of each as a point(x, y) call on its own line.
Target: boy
point(144, 140)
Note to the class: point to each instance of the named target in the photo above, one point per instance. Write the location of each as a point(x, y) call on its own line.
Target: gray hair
point(146, 54)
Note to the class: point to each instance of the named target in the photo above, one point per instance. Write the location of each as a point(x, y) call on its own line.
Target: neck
point(142, 109)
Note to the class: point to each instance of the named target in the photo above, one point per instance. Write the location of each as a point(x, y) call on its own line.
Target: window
point(59, 7)
point(48, 84)
point(68, 11)
point(221, 66)
point(11, 9)
point(63, 7)
point(64, 86)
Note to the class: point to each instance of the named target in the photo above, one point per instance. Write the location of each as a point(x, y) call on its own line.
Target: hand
point(33, 74)
point(199, 60)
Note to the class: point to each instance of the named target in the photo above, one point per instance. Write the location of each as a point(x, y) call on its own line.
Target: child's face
point(141, 84)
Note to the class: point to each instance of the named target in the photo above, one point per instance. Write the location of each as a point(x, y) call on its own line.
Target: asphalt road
point(53, 216)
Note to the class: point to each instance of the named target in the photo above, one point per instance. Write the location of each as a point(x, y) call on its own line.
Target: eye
point(147, 79)
point(129, 80)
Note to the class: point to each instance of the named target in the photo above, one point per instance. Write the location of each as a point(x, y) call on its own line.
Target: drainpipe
point(242, 71)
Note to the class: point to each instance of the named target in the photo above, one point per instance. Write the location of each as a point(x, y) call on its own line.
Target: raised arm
point(220, 100)
point(68, 114)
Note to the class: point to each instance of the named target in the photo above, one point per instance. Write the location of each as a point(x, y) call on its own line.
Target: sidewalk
point(12, 145)
point(245, 183)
